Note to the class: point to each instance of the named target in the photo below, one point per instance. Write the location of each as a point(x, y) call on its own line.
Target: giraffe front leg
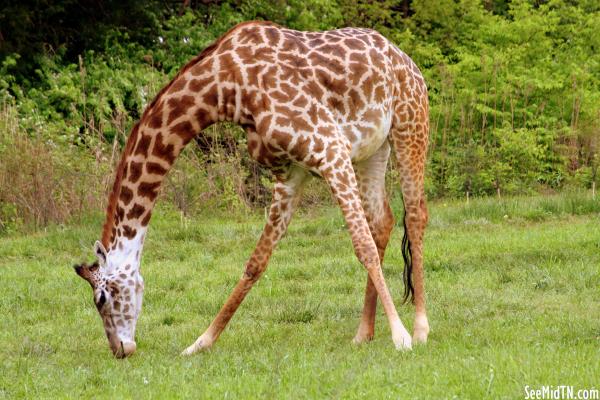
point(339, 174)
point(285, 195)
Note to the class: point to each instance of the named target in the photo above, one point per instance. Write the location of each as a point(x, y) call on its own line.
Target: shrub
point(43, 182)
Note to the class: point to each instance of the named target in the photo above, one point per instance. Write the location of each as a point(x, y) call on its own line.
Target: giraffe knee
point(252, 272)
point(383, 228)
point(416, 217)
point(423, 209)
point(388, 220)
point(367, 254)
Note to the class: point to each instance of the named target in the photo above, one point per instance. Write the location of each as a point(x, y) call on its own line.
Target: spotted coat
point(330, 104)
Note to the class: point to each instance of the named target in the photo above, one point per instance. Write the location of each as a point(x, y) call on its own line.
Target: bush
point(513, 89)
point(43, 182)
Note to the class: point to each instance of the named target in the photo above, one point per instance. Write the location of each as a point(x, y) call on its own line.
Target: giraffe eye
point(101, 300)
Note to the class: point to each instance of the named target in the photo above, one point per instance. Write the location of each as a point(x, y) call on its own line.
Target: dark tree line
point(514, 85)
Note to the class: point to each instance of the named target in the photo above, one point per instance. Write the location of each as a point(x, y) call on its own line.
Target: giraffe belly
point(368, 140)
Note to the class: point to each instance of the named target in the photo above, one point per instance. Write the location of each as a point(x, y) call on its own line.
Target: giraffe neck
point(193, 100)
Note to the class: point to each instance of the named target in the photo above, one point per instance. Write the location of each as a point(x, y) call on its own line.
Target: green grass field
point(513, 291)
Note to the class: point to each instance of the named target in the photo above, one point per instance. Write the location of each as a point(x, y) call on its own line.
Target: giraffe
point(331, 104)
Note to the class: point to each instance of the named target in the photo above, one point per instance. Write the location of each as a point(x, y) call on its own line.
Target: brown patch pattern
point(318, 102)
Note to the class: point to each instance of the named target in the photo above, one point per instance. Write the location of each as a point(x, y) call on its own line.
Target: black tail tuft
point(409, 290)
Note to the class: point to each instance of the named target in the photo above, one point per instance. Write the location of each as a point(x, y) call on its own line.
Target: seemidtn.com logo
point(560, 392)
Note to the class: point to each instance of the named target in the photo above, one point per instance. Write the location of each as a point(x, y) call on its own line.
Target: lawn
point(513, 290)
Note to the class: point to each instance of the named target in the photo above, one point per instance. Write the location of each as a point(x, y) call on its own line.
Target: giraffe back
point(297, 92)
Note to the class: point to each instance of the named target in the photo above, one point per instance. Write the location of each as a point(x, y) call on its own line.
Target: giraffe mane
point(210, 49)
point(111, 208)
point(116, 189)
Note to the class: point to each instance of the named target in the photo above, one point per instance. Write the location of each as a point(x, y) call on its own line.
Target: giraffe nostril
point(119, 351)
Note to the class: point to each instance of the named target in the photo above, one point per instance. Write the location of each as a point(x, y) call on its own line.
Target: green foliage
point(42, 182)
point(297, 14)
point(519, 89)
point(70, 27)
point(514, 86)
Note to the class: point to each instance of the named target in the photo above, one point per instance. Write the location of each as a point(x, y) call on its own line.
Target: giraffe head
point(118, 292)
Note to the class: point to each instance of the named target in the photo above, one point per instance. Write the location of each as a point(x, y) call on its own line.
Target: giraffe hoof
point(362, 338)
point(402, 341)
point(421, 330)
point(199, 345)
point(420, 337)
point(189, 351)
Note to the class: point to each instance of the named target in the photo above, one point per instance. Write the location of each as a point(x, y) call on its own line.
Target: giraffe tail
point(409, 290)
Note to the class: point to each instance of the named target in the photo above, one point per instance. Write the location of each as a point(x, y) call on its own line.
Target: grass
point(513, 290)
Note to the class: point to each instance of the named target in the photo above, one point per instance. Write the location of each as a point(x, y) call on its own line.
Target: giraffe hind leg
point(410, 146)
point(370, 175)
point(340, 176)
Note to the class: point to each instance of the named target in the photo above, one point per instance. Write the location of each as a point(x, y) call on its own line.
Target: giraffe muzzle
point(125, 349)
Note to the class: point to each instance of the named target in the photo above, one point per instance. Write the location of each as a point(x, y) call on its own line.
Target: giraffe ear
point(100, 252)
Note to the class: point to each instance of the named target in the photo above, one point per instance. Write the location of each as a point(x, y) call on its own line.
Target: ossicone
point(100, 252)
